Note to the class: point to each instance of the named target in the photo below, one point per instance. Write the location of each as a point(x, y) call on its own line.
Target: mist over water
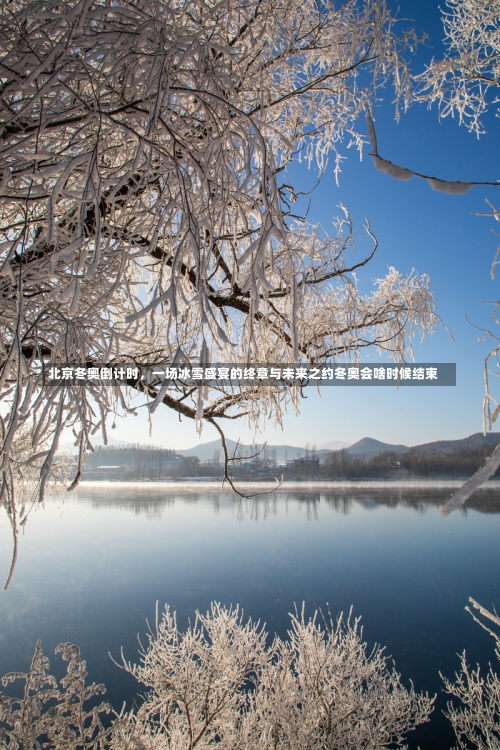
point(91, 570)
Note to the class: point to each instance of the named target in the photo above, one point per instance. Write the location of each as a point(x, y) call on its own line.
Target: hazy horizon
point(330, 445)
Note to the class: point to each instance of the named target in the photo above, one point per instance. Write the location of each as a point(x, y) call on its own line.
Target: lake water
point(91, 570)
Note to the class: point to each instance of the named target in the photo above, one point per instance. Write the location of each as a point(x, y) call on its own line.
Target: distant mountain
point(333, 445)
point(368, 447)
point(205, 451)
point(96, 440)
point(473, 442)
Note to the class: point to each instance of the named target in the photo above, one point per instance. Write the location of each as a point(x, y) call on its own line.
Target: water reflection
point(152, 500)
point(91, 569)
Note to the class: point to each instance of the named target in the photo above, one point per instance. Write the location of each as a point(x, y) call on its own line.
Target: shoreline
point(287, 485)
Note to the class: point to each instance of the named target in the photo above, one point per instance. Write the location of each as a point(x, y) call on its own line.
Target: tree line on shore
point(145, 462)
point(136, 461)
point(457, 463)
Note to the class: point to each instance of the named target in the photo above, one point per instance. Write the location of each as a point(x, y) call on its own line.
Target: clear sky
point(434, 233)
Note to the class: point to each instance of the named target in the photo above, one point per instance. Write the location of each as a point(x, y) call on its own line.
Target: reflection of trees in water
point(259, 508)
point(310, 500)
point(418, 499)
point(150, 507)
point(153, 502)
point(339, 502)
point(255, 508)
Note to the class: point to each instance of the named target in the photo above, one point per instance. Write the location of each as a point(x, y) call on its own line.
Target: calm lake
point(91, 570)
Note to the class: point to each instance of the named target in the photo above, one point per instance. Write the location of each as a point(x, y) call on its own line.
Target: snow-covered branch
point(141, 210)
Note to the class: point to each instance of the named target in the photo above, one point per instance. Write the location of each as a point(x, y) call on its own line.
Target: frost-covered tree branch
point(476, 720)
point(67, 722)
point(452, 187)
point(223, 683)
point(491, 409)
point(462, 83)
point(465, 82)
point(25, 474)
point(220, 684)
point(142, 215)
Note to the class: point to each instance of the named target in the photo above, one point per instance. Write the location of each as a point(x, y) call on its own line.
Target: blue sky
point(434, 233)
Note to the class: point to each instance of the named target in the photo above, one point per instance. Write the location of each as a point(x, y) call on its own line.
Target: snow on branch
point(466, 81)
point(401, 173)
point(141, 209)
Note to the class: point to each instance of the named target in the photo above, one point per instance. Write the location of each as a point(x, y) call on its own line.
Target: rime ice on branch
point(143, 216)
point(466, 80)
